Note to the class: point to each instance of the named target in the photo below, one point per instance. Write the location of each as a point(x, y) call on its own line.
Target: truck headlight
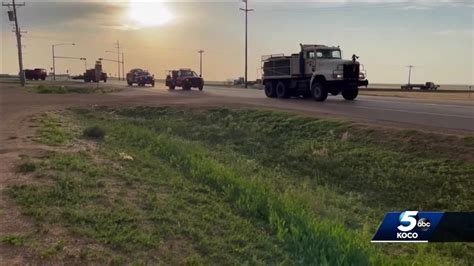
point(337, 76)
point(361, 75)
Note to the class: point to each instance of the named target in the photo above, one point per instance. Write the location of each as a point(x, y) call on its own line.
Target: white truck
point(315, 71)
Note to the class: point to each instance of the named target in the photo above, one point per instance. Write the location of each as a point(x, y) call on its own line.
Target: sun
point(149, 13)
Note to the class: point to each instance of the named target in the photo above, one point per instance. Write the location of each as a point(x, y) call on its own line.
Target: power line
point(12, 15)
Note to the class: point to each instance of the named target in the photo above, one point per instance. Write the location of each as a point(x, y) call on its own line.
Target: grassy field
point(220, 186)
point(65, 89)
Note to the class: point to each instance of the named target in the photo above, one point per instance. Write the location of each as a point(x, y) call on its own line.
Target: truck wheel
point(318, 92)
point(350, 94)
point(153, 84)
point(171, 87)
point(43, 78)
point(270, 91)
point(201, 87)
point(282, 91)
point(129, 83)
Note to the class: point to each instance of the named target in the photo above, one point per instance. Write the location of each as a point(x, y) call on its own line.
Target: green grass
point(65, 89)
point(27, 167)
point(14, 240)
point(51, 130)
point(247, 187)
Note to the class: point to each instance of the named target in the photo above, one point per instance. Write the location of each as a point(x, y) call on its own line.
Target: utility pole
point(200, 62)
point(118, 58)
point(123, 67)
point(409, 73)
point(13, 17)
point(246, 10)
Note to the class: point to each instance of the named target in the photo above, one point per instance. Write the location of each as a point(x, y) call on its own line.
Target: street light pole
point(409, 73)
point(246, 10)
point(54, 63)
point(200, 62)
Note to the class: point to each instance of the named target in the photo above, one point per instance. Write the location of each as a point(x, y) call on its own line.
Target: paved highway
point(449, 116)
point(391, 110)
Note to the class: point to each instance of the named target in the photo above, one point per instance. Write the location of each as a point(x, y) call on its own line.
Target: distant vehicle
point(239, 81)
point(315, 71)
point(140, 77)
point(427, 86)
point(185, 78)
point(36, 74)
point(89, 76)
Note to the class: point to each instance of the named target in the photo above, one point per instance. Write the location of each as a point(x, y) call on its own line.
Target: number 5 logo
point(407, 221)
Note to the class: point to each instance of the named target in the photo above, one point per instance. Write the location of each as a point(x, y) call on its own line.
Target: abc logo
point(424, 224)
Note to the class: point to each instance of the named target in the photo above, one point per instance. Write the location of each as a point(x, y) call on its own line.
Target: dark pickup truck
point(185, 78)
point(36, 74)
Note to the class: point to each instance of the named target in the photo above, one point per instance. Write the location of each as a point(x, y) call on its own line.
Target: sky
point(435, 36)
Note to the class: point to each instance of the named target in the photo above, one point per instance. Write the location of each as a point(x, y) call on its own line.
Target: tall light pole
point(54, 63)
point(409, 73)
point(200, 62)
point(246, 10)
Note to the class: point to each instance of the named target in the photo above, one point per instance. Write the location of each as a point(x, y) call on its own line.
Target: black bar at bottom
point(455, 227)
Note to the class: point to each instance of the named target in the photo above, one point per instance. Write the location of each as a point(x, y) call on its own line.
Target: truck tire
point(350, 94)
point(129, 83)
point(270, 91)
point(319, 92)
point(153, 84)
point(201, 87)
point(282, 91)
point(171, 87)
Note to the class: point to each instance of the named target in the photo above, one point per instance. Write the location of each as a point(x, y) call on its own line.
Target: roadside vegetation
point(65, 89)
point(221, 186)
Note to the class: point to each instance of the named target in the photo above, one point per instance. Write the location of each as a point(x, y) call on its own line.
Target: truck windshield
point(188, 73)
point(328, 54)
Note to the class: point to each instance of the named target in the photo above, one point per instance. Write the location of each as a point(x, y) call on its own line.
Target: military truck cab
point(316, 71)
